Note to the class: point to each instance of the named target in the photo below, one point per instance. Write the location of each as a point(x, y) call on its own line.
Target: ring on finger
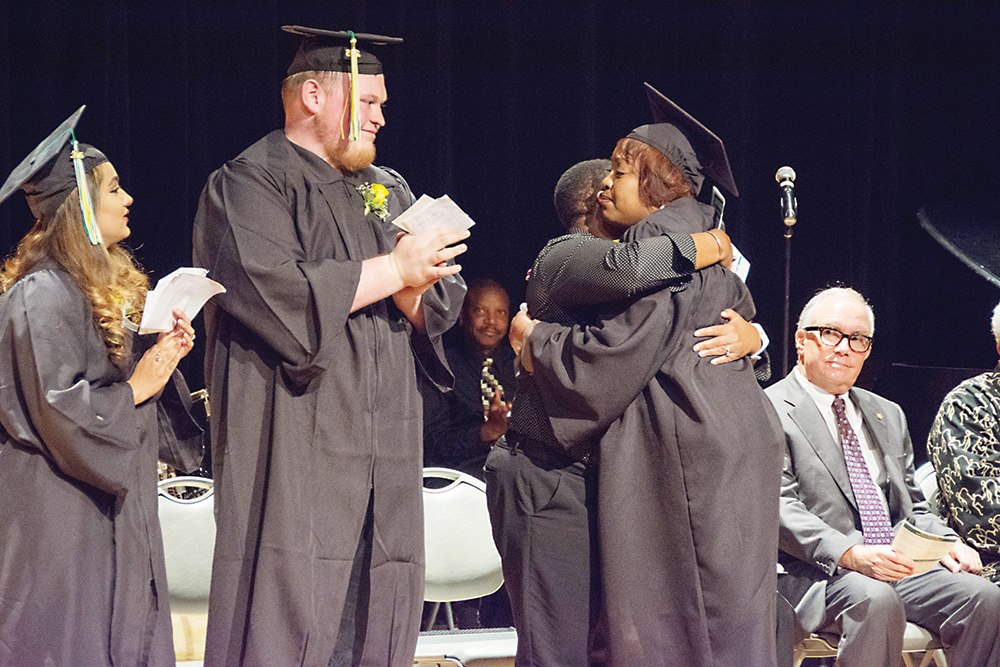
point(727, 350)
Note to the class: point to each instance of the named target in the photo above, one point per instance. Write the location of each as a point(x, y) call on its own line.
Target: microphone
point(786, 180)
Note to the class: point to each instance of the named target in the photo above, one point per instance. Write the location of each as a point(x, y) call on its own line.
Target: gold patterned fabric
point(964, 447)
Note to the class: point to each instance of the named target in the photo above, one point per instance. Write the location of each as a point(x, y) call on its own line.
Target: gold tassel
point(355, 98)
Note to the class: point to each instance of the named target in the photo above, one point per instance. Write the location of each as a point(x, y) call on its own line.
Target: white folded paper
point(186, 288)
point(428, 212)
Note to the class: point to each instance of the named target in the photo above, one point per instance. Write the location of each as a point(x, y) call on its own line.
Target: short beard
point(355, 157)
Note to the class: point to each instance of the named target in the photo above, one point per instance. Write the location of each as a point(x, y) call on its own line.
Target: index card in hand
point(428, 212)
point(186, 288)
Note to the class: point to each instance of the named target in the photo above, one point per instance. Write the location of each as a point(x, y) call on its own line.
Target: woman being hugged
point(688, 451)
point(84, 415)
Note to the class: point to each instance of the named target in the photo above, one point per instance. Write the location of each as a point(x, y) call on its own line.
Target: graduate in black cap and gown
point(311, 362)
point(542, 497)
point(688, 453)
point(84, 415)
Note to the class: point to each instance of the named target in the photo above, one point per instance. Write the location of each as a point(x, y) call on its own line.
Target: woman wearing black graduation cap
point(84, 415)
point(689, 452)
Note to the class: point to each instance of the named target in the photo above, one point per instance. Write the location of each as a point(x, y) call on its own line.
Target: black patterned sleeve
point(589, 270)
point(964, 445)
point(762, 367)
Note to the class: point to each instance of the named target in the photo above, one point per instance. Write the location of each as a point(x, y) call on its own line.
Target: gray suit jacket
point(819, 518)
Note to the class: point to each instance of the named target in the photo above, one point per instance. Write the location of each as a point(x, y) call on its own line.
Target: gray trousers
point(963, 609)
point(543, 525)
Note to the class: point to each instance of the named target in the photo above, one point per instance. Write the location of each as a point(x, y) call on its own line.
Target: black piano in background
point(969, 232)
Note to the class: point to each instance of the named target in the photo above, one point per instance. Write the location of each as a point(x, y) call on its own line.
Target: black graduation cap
point(692, 147)
point(330, 50)
point(53, 170)
point(338, 51)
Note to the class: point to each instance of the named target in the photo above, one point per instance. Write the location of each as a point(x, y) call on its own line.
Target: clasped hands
point(884, 563)
point(157, 364)
point(420, 260)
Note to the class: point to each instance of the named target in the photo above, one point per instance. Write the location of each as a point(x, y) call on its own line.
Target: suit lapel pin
point(879, 415)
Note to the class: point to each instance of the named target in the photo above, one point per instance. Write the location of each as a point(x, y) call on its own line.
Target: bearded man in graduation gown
point(311, 363)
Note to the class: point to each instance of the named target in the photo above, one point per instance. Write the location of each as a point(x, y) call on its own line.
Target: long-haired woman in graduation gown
point(688, 452)
point(84, 414)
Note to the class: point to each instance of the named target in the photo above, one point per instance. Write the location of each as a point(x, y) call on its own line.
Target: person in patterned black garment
point(311, 362)
point(964, 446)
point(541, 497)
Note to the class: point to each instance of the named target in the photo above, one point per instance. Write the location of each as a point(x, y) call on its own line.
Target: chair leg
point(928, 658)
point(433, 617)
point(451, 617)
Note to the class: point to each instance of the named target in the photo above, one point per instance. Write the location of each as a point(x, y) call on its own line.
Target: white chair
point(462, 563)
point(917, 644)
point(916, 640)
point(188, 527)
point(926, 479)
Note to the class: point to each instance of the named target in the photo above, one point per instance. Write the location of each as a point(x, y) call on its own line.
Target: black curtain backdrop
point(880, 107)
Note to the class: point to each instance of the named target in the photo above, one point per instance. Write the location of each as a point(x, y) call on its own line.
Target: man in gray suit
point(847, 486)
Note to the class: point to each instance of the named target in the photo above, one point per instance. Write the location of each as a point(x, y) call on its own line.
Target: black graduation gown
point(314, 409)
point(689, 467)
point(82, 579)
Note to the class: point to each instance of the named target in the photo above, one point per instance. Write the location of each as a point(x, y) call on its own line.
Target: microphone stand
point(788, 286)
point(785, 178)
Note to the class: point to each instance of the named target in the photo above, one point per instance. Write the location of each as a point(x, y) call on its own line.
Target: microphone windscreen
point(785, 174)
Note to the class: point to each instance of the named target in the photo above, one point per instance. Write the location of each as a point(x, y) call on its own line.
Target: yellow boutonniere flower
point(375, 199)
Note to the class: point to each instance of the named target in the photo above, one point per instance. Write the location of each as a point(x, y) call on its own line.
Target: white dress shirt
point(824, 401)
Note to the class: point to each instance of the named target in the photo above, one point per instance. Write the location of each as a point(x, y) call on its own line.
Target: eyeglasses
point(832, 337)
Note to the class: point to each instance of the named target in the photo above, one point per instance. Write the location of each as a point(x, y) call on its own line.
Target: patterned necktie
point(875, 523)
point(488, 386)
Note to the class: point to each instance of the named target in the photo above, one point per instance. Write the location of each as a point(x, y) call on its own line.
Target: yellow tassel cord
point(355, 97)
point(89, 219)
